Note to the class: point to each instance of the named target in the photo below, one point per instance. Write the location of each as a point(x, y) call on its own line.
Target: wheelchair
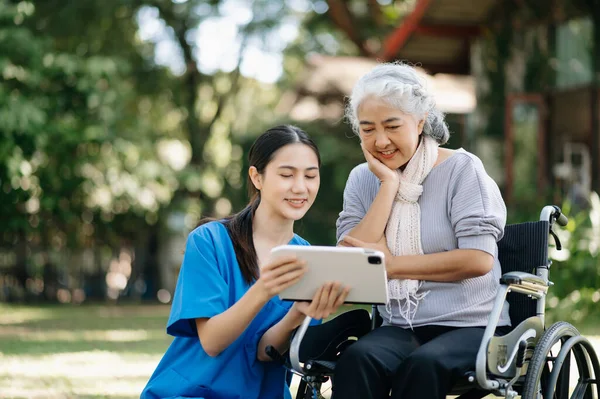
point(532, 361)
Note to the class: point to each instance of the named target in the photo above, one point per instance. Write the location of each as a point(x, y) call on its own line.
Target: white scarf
point(403, 230)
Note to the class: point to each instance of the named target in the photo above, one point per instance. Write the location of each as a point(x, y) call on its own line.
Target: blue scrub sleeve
point(201, 289)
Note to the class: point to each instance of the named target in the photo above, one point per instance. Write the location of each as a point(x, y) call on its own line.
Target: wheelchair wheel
point(550, 369)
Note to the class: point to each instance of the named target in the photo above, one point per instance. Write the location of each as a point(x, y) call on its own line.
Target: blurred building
point(325, 83)
point(549, 101)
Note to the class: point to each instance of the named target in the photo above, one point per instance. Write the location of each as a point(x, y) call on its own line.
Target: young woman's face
point(290, 182)
point(389, 134)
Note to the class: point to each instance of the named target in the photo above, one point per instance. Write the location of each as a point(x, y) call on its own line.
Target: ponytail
point(239, 227)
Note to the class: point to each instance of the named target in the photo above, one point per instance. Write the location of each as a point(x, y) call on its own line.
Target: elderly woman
point(437, 216)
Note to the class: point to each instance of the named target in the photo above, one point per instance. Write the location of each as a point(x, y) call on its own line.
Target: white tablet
point(363, 270)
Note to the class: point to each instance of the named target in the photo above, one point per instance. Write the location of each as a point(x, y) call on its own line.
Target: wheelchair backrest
point(523, 248)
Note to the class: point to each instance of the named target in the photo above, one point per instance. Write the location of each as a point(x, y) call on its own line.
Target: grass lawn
point(91, 351)
point(79, 352)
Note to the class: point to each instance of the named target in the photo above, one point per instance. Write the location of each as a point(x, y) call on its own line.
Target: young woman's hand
point(279, 274)
point(328, 298)
point(383, 173)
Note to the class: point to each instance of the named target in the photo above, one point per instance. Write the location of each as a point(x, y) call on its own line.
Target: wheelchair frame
point(519, 359)
point(528, 332)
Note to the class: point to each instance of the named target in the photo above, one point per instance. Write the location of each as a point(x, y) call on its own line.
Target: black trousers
point(423, 363)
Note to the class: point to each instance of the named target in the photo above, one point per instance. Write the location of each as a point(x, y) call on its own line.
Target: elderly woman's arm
point(362, 217)
point(477, 213)
point(372, 225)
point(455, 265)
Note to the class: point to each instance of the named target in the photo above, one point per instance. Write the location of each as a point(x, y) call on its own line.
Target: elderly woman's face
point(389, 134)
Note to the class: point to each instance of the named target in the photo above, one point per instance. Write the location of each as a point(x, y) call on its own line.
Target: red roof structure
point(437, 34)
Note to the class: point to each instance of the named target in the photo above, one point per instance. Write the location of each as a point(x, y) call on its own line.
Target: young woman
point(225, 310)
point(438, 216)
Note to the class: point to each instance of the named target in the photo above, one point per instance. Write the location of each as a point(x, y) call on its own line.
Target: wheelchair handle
point(562, 220)
point(552, 213)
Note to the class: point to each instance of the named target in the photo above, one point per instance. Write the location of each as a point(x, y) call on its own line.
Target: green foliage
point(75, 172)
point(64, 127)
point(495, 54)
point(354, 27)
point(100, 147)
point(576, 269)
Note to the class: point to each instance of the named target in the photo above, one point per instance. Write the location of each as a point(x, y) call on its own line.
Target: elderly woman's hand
point(381, 245)
point(328, 298)
point(383, 173)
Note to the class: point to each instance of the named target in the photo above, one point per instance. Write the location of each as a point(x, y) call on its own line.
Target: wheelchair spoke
point(580, 389)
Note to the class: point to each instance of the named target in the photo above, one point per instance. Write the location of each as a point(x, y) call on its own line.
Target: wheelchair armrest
point(295, 345)
point(525, 283)
point(518, 278)
point(324, 342)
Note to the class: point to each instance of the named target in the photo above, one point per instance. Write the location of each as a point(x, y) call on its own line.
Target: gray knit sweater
point(461, 207)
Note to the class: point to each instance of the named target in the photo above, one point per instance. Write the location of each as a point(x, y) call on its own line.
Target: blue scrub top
point(209, 283)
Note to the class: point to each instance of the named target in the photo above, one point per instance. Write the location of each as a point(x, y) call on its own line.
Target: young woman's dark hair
point(239, 226)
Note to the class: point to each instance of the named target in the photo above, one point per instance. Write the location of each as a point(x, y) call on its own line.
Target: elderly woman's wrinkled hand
point(383, 173)
point(381, 245)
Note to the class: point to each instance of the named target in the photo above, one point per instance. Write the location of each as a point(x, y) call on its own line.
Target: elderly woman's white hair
point(401, 87)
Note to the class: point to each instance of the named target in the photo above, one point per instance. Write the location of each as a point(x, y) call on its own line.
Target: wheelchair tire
point(538, 381)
